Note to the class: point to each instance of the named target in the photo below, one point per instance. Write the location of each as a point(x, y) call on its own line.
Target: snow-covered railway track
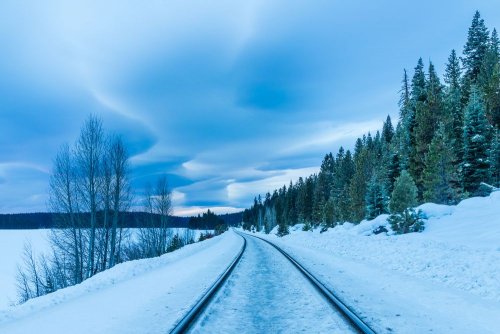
point(338, 304)
point(190, 318)
point(260, 292)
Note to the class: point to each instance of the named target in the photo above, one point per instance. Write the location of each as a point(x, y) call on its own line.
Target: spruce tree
point(358, 185)
point(489, 80)
point(419, 111)
point(376, 198)
point(404, 218)
point(475, 137)
point(427, 116)
point(474, 52)
point(404, 194)
point(406, 122)
point(440, 177)
point(453, 105)
point(387, 131)
point(494, 160)
point(475, 48)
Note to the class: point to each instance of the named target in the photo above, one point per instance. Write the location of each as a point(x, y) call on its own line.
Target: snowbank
point(143, 296)
point(446, 278)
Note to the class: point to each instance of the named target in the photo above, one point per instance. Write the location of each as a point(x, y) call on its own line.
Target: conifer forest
point(443, 148)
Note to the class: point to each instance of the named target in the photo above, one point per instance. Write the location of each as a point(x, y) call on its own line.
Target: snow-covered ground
point(267, 294)
point(143, 296)
point(11, 253)
point(443, 280)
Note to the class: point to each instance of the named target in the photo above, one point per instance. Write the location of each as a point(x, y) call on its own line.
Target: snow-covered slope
point(144, 296)
point(11, 255)
point(445, 279)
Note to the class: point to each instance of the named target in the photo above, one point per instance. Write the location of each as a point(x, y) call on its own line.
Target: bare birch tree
point(89, 149)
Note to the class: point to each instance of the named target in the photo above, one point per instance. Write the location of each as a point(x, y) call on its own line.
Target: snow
point(11, 251)
point(267, 294)
point(445, 279)
point(143, 296)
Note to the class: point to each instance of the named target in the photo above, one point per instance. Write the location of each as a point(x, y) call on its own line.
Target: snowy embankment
point(143, 296)
point(445, 279)
point(12, 244)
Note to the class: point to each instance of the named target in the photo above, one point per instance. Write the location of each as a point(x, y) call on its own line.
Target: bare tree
point(89, 149)
point(163, 208)
point(64, 202)
point(154, 239)
point(121, 190)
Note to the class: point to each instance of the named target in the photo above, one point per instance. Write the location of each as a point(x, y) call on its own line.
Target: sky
point(229, 99)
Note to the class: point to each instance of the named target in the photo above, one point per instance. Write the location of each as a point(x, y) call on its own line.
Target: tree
point(376, 199)
point(404, 218)
point(494, 160)
point(406, 222)
point(426, 118)
point(440, 178)
point(404, 194)
point(420, 112)
point(362, 174)
point(475, 48)
point(475, 137)
point(387, 130)
point(489, 80)
point(89, 149)
point(64, 202)
point(453, 105)
point(121, 189)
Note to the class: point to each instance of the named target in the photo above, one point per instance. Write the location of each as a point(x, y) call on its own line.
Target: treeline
point(46, 220)
point(444, 148)
point(209, 221)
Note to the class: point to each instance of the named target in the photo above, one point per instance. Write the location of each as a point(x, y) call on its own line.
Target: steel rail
point(353, 318)
point(190, 318)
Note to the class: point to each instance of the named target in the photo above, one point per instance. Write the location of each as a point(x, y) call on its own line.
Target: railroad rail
point(345, 310)
point(186, 323)
point(190, 318)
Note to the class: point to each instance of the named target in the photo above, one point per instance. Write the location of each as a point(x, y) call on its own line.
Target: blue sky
point(228, 98)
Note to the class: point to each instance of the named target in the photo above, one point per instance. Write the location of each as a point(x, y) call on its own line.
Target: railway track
point(191, 317)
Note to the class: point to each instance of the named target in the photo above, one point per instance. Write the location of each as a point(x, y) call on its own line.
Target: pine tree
point(440, 178)
point(406, 122)
point(362, 174)
point(453, 105)
point(419, 109)
point(376, 198)
point(475, 48)
point(387, 130)
point(475, 164)
point(427, 116)
point(474, 52)
point(494, 160)
point(404, 194)
point(393, 173)
point(489, 80)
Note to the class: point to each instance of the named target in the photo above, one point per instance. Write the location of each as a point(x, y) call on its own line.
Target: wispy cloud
point(228, 99)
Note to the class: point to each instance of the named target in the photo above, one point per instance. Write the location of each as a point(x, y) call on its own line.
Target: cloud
point(227, 99)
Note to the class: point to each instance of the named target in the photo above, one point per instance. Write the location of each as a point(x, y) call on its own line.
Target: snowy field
point(11, 252)
point(143, 296)
point(444, 280)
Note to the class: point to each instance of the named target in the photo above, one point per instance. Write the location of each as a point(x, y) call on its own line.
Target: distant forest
point(44, 220)
point(444, 148)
